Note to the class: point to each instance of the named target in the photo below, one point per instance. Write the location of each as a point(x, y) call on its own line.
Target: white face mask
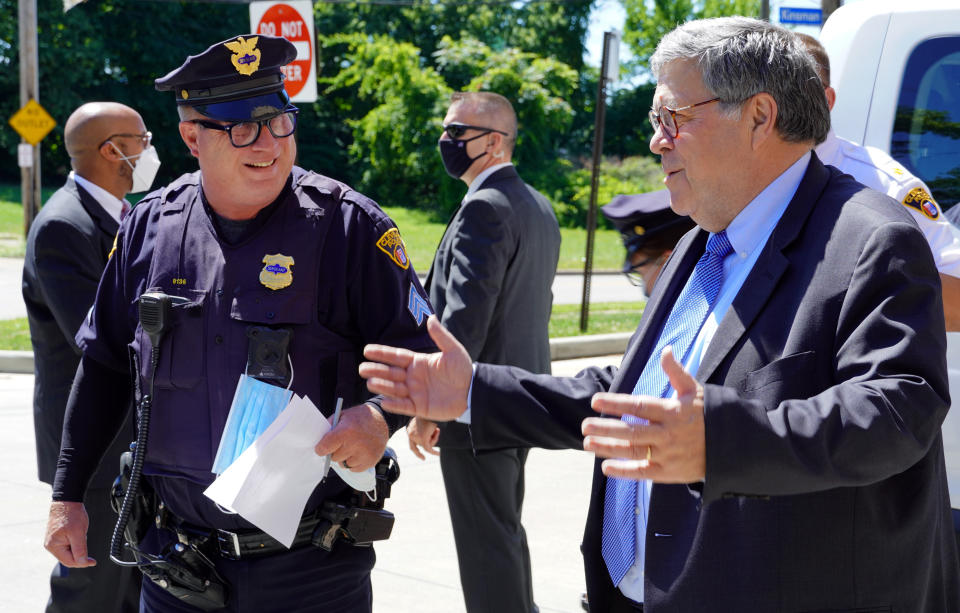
point(144, 169)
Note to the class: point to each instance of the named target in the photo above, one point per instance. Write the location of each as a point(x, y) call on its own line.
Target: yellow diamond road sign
point(32, 122)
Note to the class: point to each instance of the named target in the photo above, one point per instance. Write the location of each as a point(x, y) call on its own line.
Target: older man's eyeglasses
point(145, 138)
point(666, 117)
point(245, 133)
point(457, 130)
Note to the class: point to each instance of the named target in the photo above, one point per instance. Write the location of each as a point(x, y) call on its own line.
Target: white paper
point(269, 484)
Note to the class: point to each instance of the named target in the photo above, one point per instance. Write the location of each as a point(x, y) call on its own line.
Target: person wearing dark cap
point(650, 230)
point(255, 265)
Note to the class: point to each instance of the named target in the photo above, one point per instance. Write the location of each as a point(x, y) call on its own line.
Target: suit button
point(269, 314)
point(218, 339)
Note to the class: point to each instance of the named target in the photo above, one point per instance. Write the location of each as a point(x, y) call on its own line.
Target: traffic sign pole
point(29, 90)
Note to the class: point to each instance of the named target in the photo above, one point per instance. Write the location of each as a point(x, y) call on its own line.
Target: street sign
point(32, 122)
point(806, 17)
point(292, 20)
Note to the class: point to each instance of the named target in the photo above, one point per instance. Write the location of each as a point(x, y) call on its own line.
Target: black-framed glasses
point(632, 272)
point(457, 130)
point(666, 117)
point(245, 133)
point(144, 137)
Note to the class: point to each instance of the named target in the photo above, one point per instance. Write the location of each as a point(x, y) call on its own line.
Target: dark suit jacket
point(67, 249)
point(825, 386)
point(492, 275)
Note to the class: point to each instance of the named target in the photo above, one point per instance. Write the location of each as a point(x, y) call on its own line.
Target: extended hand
point(431, 385)
point(358, 440)
point(66, 536)
point(674, 440)
point(423, 433)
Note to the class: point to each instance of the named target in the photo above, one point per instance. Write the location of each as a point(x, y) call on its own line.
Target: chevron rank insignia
point(391, 244)
point(418, 306)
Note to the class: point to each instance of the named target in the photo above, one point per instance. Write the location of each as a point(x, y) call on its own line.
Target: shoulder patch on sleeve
point(391, 244)
point(919, 199)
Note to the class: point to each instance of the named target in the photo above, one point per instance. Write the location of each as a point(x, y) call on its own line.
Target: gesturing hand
point(671, 448)
point(433, 385)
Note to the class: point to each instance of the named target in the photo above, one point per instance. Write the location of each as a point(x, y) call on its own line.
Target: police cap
point(238, 79)
point(646, 221)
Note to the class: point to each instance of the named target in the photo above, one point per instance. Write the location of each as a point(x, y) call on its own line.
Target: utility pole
point(765, 10)
point(609, 66)
point(29, 89)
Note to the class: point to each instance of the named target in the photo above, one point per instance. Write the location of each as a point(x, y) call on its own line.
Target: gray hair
point(739, 57)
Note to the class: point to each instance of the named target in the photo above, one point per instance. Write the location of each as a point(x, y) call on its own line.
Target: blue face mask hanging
point(255, 405)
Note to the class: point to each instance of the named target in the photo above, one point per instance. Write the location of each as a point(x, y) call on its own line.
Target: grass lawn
point(420, 234)
point(604, 317)
point(15, 335)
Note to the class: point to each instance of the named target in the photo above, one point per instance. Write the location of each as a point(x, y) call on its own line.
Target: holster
point(359, 521)
point(183, 568)
point(145, 504)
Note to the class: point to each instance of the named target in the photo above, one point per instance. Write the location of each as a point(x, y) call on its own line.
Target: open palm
point(430, 385)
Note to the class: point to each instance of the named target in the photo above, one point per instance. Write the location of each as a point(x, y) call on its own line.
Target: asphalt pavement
point(416, 571)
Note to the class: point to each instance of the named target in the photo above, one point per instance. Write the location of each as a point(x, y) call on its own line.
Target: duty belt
point(248, 544)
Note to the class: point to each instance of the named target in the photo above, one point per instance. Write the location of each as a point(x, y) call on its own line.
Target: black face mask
point(454, 155)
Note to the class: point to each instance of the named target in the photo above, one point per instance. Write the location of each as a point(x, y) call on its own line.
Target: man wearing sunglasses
point(67, 249)
point(490, 283)
point(650, 230)
point(269, 274)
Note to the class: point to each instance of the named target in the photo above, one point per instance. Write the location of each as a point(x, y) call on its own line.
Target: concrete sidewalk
point(416, 570)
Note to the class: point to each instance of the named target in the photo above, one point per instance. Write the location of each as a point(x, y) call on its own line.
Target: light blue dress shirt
point(748, 234)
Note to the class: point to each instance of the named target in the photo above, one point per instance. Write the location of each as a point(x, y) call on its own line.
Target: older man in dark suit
point(67, 249)
point(490, 284)
point(774, 428)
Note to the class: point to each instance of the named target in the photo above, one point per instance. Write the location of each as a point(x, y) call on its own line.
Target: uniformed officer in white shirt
point(877, 170)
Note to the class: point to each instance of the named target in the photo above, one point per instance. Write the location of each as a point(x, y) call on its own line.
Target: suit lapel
point(500, 175)
point(767, 270)
point(107, 224)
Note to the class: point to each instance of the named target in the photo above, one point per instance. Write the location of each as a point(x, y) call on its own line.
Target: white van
point(896, 69)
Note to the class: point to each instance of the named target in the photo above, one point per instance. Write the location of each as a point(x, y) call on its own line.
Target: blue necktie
point(619, 541)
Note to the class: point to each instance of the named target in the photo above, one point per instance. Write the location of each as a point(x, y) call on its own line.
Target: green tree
point(648, 21)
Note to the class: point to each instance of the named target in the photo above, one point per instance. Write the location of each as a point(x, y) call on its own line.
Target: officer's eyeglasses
point(457, 130)
point(245, 133)
point(666, 117)
point(633, 273)
point(145, 138)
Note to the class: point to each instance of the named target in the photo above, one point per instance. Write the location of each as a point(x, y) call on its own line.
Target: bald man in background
point(67, 250)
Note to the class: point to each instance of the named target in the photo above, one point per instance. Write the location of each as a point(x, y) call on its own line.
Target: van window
point(926, 131)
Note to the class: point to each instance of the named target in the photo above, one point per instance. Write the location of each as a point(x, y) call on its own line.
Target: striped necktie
point(619, 541)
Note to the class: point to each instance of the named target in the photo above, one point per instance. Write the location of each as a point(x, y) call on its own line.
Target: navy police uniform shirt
point(322, 261)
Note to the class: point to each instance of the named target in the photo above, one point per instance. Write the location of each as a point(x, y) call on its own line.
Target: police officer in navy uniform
point(649, 229)
point(248, 244)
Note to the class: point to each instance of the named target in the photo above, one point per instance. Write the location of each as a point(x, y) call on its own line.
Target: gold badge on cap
point(919, 199)
point(246, 56)
point(391, 244)
point(639, 230)
point(276, 273)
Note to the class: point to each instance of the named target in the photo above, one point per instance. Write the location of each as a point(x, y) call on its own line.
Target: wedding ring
point(649, 453)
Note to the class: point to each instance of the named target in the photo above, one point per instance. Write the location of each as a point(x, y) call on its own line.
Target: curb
point(20, 362)
point(569, 348)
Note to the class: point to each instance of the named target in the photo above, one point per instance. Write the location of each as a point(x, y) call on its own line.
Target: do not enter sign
point(292, 20)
